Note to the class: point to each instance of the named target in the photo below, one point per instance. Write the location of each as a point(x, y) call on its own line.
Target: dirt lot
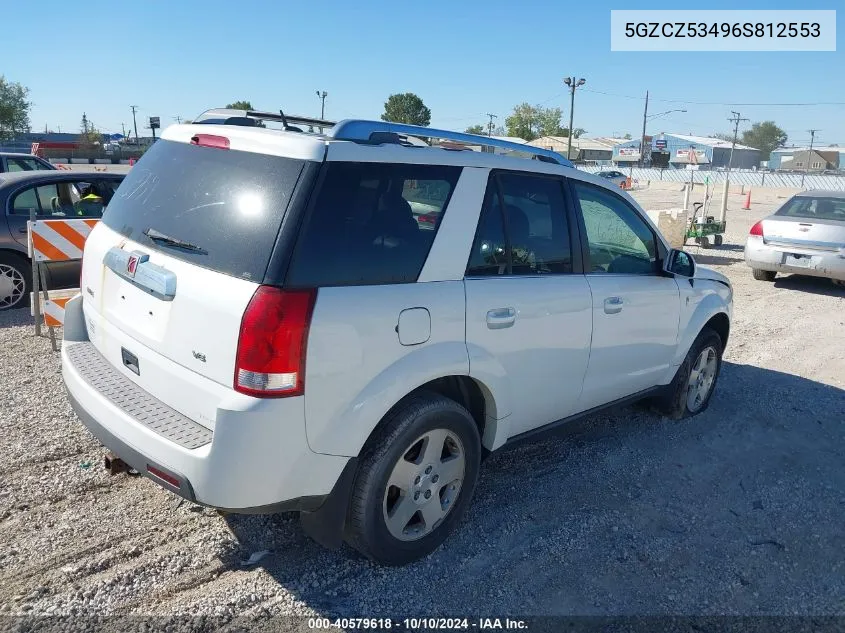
point(737, 511)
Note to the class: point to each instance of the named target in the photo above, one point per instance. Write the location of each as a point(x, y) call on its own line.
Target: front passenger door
point(635, 309)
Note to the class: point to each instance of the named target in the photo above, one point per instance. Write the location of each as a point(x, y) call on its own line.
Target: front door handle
point(500, 318)
point(613, 305)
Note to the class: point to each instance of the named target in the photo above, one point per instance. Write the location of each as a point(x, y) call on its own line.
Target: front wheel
point(15, 282)
point(415, 481)
point(690, 391)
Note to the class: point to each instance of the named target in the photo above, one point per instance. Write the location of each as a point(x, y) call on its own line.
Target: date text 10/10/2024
point(442, 624)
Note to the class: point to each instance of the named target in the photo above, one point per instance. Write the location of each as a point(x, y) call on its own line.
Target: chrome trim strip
point(157, 280)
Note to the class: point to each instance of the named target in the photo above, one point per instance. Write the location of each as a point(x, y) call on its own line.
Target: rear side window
point(228, 204)
point(537, 238)
point(371, 223)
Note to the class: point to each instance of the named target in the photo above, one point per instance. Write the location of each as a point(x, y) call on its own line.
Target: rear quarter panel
point(356, 367)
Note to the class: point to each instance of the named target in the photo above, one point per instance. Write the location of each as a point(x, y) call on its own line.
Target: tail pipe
point(115, 465)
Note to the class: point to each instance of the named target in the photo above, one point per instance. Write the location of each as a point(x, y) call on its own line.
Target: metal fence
point(738, 177)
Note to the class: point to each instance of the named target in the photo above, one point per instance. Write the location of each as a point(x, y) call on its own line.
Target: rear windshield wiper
point(157, 236)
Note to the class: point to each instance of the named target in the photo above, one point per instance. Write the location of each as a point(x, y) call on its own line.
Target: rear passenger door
point(376, 333)
point(635, 307)
point(527, 301)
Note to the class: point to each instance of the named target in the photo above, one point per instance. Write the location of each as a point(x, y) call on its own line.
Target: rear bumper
point(828, 264)
point(257, 459)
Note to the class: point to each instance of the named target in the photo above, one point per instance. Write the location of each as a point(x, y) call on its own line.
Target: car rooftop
point(35, 174)
point(821, 193)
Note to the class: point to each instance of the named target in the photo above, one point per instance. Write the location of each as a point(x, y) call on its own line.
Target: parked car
point(264, 326)
point(805, 236)
point(616, 177)
point(52, 194)
point(11, 162)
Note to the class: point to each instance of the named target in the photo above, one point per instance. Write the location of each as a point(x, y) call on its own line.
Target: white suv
point(346, 324)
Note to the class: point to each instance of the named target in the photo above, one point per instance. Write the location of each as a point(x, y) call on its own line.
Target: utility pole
point(490, 124)
point(735, 119)
point(809, 154)
point(642, 139)
point(135, 123)
point(573, 84)
point(123, 127)
point(322, 97)
point(178, 119)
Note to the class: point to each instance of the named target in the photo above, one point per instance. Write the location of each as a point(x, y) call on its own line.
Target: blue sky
point(464, 58)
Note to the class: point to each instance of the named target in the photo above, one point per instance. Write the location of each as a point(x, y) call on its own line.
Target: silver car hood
point(703, 272)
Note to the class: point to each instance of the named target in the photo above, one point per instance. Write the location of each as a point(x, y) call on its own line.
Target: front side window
point(15, 163)
point(620, 241)
point(522, 229)
point(371, 223)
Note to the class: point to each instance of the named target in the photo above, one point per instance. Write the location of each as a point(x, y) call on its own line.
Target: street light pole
point(322, 96)
point(573, 84)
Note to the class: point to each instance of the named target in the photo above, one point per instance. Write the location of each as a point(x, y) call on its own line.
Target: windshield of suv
point(821, 208)
point(228, 203)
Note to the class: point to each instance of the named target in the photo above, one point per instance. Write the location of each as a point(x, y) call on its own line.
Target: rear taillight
point(271, 347)
point(757, 229)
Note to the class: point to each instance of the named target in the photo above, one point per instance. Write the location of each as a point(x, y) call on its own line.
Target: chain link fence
point(737, 177)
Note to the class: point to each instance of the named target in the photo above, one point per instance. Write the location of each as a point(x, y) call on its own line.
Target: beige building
point(584, 149)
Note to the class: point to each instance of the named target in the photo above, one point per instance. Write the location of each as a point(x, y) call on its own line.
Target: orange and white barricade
point(53, 241)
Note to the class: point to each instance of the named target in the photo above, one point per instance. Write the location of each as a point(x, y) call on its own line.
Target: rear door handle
point(500, 318)
point(613, 305)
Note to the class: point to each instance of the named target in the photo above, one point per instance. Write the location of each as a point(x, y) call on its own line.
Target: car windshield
point(820, 208)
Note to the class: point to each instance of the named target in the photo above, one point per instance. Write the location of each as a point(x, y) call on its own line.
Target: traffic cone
point(131, 162)
point(747, 204)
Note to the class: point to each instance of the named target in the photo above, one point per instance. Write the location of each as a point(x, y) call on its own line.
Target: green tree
point(578, 132)
point(765, 136)
point(406, 108)
point(14, 108)
point(627, 136)
point(476, 129)
point(240, 105)
point(530, 122)
point(88, 132)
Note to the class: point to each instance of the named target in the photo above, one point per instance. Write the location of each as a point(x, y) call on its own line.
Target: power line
point(718, 103)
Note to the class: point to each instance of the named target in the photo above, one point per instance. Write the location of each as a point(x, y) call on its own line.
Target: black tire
point(366, 527)
point(718, 240)
point(763, 275)
point(705, 242)
point(673, 402)
point(16, 274)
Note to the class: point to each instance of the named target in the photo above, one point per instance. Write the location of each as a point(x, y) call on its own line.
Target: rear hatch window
point(225, 206)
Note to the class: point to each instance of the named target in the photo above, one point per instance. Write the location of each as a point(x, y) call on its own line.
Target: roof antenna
point(284, 120)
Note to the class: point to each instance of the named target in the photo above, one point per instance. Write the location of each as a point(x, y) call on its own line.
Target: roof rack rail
point(231, 116)
point(377, 132)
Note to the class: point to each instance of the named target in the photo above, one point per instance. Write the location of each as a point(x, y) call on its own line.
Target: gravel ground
point(737, 511)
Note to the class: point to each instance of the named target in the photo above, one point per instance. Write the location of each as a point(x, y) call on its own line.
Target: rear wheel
point(763, 275)
point(690, 391)
point(415, 481)
point(703, 241)
point(15, 281)
point(718, 240)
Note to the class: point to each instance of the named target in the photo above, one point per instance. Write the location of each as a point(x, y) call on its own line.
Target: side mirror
point(679, 263)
